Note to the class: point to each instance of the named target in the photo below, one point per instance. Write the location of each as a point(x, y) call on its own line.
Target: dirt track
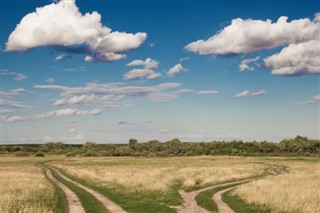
point(112, 207)
point(190, 205)
point(74, 203)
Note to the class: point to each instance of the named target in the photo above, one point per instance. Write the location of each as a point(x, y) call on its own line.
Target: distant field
point(153, 184)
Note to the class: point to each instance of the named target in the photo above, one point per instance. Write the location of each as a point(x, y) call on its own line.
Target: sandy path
point(73, 201)
point(108, 204)
point(189, 202)
point(223, 207)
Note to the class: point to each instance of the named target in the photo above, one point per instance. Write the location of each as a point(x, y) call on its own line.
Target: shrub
point(71, 154)
point(21, 154)
point(89, 153)
point(39, 154)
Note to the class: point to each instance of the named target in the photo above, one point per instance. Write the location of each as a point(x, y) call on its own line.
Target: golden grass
point(136, 174)
point(296, 191)
point(24, 188)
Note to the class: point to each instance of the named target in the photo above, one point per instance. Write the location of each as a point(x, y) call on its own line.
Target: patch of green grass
point(204, 199)
point(236, 203)
point(61, 202)
point(135, 202)
point(89, 202)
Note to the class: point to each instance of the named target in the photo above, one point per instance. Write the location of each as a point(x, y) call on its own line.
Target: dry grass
point(296, 191)
point(24, 188)
point(161, 173)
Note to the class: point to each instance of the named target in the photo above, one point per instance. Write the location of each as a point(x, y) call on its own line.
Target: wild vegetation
point(24, 188)
point(298, 146)
point(295, 191)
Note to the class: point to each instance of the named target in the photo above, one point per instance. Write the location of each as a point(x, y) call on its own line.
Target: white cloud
point(184, 59)
point(180, 91)
point(244, 93)
point(50, 80)
point(62, 57)
point(13, 104)
point(258, 93)
point(175, 70)
point(72, 111)
point(61, 112)
point(106, 100)
point(63, 26)
point(296, 59)
point(147, 64)
point(146, 72)
point(208, 92)
point(140, 74)
point(12, 92)
point(247, 93)
point(111, 93)
point(244, 65)
point(246, 36)
point(311, 101)
point(161, 97)
point(18, 76)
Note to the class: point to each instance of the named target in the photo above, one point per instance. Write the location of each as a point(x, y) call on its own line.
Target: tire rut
point(108, 204)
point(74, 203)
point(190, 204)
point(225, 208)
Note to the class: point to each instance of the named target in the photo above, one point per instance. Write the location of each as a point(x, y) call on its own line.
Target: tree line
point(298, 146)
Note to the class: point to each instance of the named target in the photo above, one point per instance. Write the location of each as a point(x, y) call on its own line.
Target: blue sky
point(107, 71)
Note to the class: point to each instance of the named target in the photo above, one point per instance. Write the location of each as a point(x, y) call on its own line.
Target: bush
point(90, 153)
point(71, 154)
point(39, 154)
point(21, 154)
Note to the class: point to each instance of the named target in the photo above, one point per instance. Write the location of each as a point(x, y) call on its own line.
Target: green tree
point(133, 144)
point(89, 145)
point(174, 146)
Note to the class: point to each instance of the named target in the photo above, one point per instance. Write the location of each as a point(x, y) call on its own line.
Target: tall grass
point(24, 188)
point(161, 173)
point(296, 191)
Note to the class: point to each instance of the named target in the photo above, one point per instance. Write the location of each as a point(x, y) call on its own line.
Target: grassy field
point(152, 184)
point(296, 191)
point(24, 188)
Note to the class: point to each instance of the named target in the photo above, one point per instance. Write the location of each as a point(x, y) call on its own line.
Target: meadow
point(140, 184)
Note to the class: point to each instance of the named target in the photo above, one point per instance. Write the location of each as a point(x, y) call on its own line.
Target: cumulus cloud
point(246, 36)
point(208, 92)
point(160, 92)
point(62, 26)
point(146, 72)
point(244, 65)
point(296, 59)
point(301, 37)
point(175, 70)
point(247, 93)
point(17, 76)
point(141, 74)
point(61, 112)
point(147, 64)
